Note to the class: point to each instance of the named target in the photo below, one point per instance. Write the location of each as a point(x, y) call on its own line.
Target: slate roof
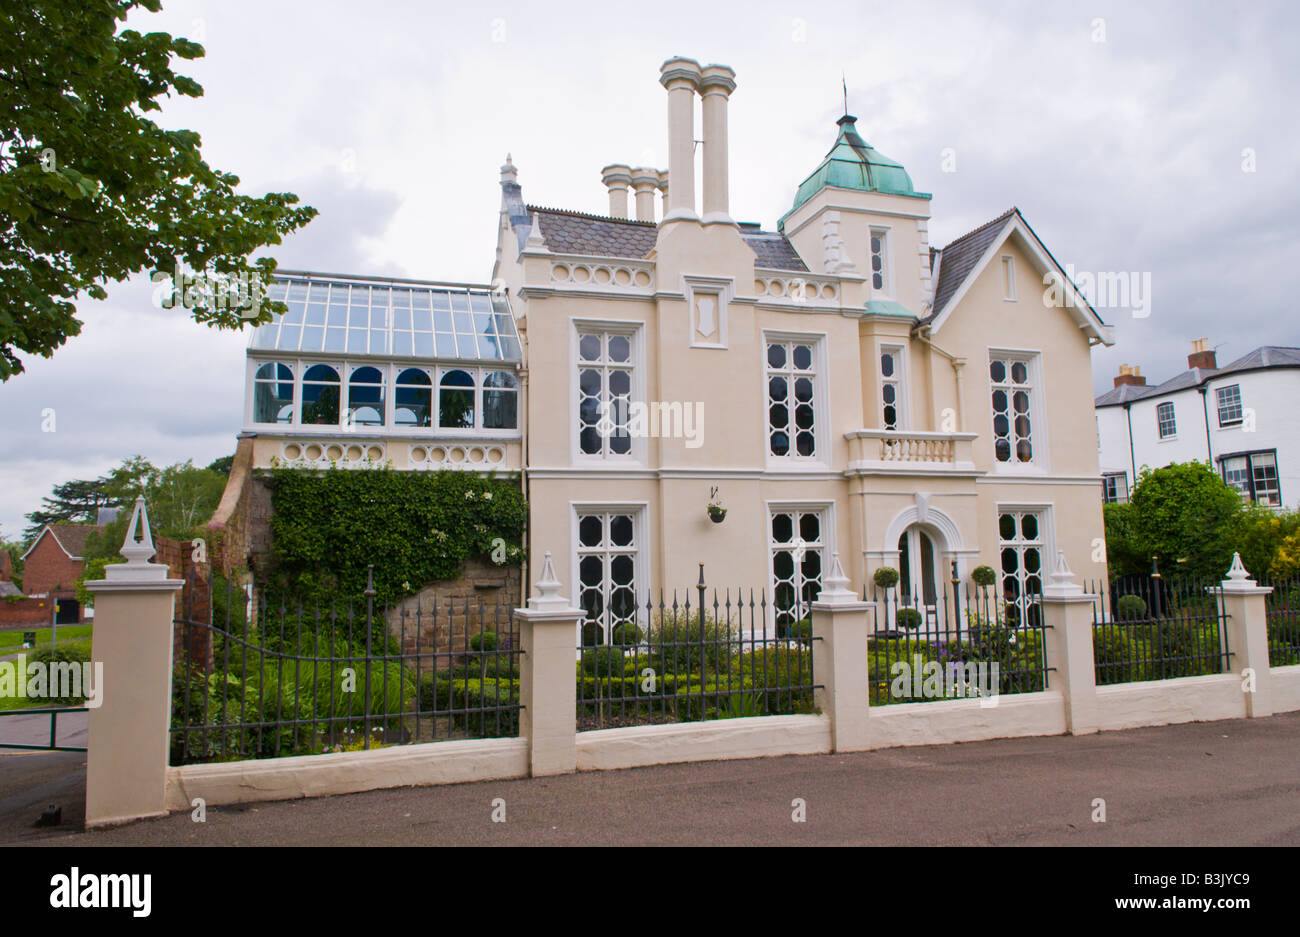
point(1264, 357)
point(572, 232)
point(8, 588)
point(959, 258)
point(73, 537)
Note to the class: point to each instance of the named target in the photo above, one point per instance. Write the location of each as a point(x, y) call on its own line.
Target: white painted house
point(1242, 419)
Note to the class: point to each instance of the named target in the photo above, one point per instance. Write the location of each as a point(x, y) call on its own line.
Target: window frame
point(902, 417)
point(1172, 421)
point(640, 552)
point(1046, 540)
point(1251, 492)
point(389, 371)
point(886, 289)
point(1106, 479)
point(1039, 431)
point(634, 331)
point(829, 541)
point(821, 403)
point(1218, 405)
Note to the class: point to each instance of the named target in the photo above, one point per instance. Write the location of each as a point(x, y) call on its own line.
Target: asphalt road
point(1218, 783)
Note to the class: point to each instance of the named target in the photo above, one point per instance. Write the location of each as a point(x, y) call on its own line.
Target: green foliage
point(466, 698)
point(984, 575)
point(75, 653)
point(1185, 514)
point(603, 661)
point(92, 190)
point(329, 526)
point(908, 618)
point(675, 643)
point(801, 631)
point(484, 641)
point(886, 577)
point(222, 465)
point(627, 634)
point(1130, 607)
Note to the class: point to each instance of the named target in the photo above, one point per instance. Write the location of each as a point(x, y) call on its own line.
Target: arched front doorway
point(917, 565)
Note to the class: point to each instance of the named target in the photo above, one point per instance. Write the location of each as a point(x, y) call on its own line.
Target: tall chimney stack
point(1202, 355)
point(617, 177)
point(681, 76)
point(716, 84)
point(1130, 374)
point(645, 182)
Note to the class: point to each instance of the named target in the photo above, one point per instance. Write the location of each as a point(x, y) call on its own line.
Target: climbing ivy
point(415, 527)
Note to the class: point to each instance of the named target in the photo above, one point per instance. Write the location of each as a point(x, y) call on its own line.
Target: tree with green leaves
point(1186, 515)
point(93, 191)
point(73, 502)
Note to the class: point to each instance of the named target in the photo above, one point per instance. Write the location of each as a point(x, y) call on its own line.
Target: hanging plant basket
point(717, 512)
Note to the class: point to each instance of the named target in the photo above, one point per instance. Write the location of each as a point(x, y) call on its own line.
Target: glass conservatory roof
point(389, 318)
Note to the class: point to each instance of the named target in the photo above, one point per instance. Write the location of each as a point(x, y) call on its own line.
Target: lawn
point(11, 641)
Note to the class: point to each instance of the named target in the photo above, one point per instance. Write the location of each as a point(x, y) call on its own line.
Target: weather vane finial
point(845, 83)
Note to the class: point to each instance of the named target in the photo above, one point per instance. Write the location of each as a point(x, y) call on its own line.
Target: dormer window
point(879, 261)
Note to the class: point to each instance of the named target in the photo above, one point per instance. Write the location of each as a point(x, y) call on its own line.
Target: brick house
point(53, 564)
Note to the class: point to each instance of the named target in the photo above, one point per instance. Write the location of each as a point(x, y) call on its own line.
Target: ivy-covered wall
point(415, 527)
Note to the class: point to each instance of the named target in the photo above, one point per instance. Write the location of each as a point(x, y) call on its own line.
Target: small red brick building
point(53, 564)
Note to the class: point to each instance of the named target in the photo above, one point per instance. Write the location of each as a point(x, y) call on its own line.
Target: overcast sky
point(392, 118)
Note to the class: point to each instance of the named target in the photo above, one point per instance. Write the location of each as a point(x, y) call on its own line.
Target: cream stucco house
point(838, 385)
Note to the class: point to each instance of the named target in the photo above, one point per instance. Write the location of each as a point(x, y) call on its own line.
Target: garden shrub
point(604, 662)
point(675, 643)
point(76, 654)
point(627, 634)
point(1131, 607)
point(886, 577)
point(984, 575)
point(483, 642)
point(908, 618)
point(801, 631)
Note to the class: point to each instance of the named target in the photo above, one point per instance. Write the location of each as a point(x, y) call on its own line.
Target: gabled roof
point(71, 538)
point(962, 261)
point(573, 232)
point(1263, 358)
point(8, 588)
point(960, 258)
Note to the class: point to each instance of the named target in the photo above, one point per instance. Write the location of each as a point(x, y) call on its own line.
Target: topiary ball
point(886, 577)
point(627, 634)
point(908, 618)
point(984, 575)
point(483, 641)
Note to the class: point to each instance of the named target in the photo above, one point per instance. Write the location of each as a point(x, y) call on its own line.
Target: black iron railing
point(963, 641)
point(664, 662)
point(291, 680)
point(1283, 615)
point(1157, 628)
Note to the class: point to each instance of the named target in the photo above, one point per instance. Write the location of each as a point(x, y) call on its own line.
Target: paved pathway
point(1215, 783)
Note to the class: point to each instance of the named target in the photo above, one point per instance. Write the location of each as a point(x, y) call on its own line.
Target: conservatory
point(362, 371)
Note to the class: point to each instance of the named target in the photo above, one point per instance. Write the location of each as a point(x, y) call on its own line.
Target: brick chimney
point(1130, 374)
point(1202, 355)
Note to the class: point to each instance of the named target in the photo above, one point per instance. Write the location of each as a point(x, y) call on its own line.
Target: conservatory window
point(456, 400)
point(414, 399)
point(273, 393)
point(320, 395)
point(500, 400)
point(366, 397)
